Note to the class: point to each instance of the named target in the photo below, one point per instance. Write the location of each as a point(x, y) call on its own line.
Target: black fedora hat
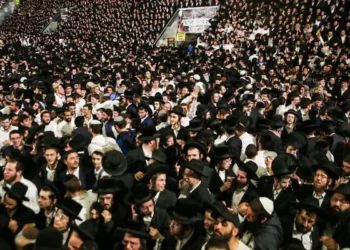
point(177, 110)
point(157, 98)
point(159, 156)
point(195, 125)
point(135, 228)
point(71, 208)
point(202, 109)
point(114, 163)
point(250, 168)
point(221, 152)
point(49, 239)
point(17, 191)
point(197, 145)
point(140, 194)
point(186, 211)
point(79, 143)
point(207, 136)
point(296, 139)
point(329, 168)
point(343, 189)
point(148, 133)
point(230, 122)
point(220, 210)
point(196, 166)
point(292, 112)
point(284, 164)
point(277, 121)
point(109, 186)
point(310, 207)
point(155, 168)
point(128, 95)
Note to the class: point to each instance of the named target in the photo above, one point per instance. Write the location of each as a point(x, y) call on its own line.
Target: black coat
point(59, 168)
point(182, 134)
point(281, 204)
point(215, 183)
point(166, 199)
point(288, 226)
point(133, 156)
point(256, 117)
point(235, 146)
point(87, 178)
point(342, 231)
point(201, 195)
point(276, 142)
point(195, 242)
point(306, 193)
point(249, 195)
point(267, 236)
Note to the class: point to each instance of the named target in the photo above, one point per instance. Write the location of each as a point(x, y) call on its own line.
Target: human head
point(51, 155)
point(45, 117)
point(158, 182)
point(13, 171)
point(61, 221)
point(209, 221)
point(96, 158)
point(46, 199)
point(305, 220)
point(16, 138)
point(106, 201)
point(259, 210)
point(71, 159)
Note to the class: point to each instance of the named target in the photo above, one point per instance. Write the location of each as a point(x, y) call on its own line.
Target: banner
point(180, 37)
point(171, 42)
point(196, 20)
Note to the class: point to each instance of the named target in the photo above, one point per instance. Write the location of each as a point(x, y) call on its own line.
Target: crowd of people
point(240, 141)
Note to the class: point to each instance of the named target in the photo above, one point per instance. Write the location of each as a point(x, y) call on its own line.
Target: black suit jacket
point(256, 117)
point(215, 183)
point(195, 242)
point(133, 156)
point(166, 199)
point(59, 168)
point(235, 146)
point(201, 195)
point(248, 196)
point(342, 231)
point(281, 204)
point(288, 225)
point(276, 142)
point(182, 134)
point(306, 193)
point(132, 110)
point(87, 178)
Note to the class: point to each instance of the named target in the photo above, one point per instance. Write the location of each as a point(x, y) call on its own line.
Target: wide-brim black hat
point(296, 139)
point(284, 164)
point(109, 186)
point(140, 194)
point(220, 210)
point(177, 110)
point(196, 166)
point(207, 136)
point(343, 189)
point(292, 112)
point(114, 163)
point(54, 189)
point(71, 208)
point(221, 152)
point(195, 125)
point(148, 133)
point(202, 109)
point(310, 207)
point(250, 168)
point(155, 169)
point(135, 228)
point(277, 121)
point(186, 211)
point(17, 191)
point(198, 145)
point(79, 143)
point(329, 168)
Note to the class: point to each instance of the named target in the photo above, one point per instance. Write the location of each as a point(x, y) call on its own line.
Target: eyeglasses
point(61, 217)
point(322, 176)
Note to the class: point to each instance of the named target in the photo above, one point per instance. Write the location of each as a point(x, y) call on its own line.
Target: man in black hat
point(50, 171)
point(175, 128)
point(291, 119)
point(303, 225)
point(127, 101)
point(276, 187)
point(242, 189)
point(135, 236)
point(193, 172)
point(150, 143)
point(143, 210)
point(17, 215)
point(227, 226)
point(276, 127)
point(145, 114)
point(232, 141)
point(336, 234)
point(324, 177)
point(184, 234)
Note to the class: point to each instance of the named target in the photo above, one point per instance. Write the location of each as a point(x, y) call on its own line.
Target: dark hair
point(15, 132)
point(251, 151)
point(96, 152)
point(13, 154)
point(89, 245)
point(217, 243)
point(72, 185)
point(96, 128)
point(52, 195)
point(88, 106)
point(259, 210)
point(121, 124)
point(65, 157)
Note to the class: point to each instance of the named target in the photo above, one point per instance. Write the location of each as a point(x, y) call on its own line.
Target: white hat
point(243, 72)
point(23, 79)
point(267, 204)
point(196, 77)
point(249, 86)
point(95, 122)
